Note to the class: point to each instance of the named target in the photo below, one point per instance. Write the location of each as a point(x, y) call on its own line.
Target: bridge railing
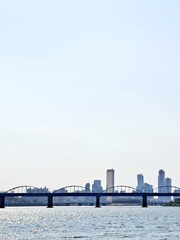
point(165, 189)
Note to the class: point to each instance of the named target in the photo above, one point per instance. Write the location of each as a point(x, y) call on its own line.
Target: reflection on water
point(107, 223)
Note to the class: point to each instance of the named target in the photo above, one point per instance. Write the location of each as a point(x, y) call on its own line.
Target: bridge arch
point(72, 189)
point(27, 189)
point(166, 188)
point(121, 189)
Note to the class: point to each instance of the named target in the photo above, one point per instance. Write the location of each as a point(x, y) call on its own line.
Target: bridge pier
point(98, 202)
point(2, 202)
point(50, 202)
point(144, 201)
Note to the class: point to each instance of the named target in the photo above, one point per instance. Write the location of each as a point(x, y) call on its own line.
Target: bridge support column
point(98, 201)
point(2, 202)
point(144, 201)
point(50, 202)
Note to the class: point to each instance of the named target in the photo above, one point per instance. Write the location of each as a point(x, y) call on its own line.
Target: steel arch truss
point(121, 189)
point(72, 189)
point(27, 189)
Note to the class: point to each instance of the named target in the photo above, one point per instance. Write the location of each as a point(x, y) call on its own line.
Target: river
point(107, 223)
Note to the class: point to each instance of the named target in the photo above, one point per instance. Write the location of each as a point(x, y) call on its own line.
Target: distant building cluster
point(164, 186)
point(164, 183)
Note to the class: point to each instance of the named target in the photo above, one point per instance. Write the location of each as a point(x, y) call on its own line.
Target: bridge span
point(78, 191)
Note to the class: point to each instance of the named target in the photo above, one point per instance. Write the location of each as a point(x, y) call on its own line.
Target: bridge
point(79, 191)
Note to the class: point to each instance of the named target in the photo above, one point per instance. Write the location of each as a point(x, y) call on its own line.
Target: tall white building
point(110, 183)
point(110, 180)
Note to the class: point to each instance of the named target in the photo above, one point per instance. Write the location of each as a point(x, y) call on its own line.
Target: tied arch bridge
point(76, 191)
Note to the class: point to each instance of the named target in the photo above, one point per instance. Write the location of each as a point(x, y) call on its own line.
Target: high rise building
point(168, 184)
point(110, 183)
point(148, 187)
point(164, 185)
point(168, 188)
point(96, 187)
point(110, 180)
point(161, 181)
point(87, 187)
point(140, 182)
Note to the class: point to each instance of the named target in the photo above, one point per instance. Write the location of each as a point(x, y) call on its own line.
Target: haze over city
point(86, 86)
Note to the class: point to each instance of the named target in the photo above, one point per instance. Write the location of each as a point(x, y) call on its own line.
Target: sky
point(86, 86)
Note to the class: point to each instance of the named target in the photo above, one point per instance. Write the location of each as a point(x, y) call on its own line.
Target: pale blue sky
point(86, 86)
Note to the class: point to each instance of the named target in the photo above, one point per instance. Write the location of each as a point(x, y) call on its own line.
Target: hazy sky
point(86, 86)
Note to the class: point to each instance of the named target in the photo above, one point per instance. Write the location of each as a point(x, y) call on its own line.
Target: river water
point(107, 223)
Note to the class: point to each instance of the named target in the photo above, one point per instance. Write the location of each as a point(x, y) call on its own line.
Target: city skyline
point(98, 185)
point(86, 86)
